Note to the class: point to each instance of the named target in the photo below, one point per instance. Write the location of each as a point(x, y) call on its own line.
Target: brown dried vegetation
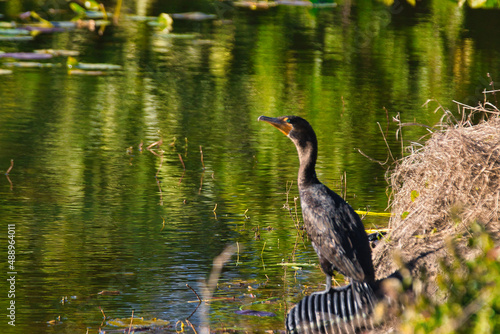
point(439, 189)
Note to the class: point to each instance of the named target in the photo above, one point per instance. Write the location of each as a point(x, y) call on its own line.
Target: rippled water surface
point(95, 211)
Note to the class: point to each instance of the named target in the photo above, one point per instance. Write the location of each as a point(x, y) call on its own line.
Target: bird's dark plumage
point(336, 231)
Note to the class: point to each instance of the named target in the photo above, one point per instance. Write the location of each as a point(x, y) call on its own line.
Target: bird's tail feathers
point(340, 310)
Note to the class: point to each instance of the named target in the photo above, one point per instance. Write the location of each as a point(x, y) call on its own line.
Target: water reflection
point(89, 205)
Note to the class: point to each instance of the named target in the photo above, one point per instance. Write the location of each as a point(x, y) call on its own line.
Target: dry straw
point(440, 188)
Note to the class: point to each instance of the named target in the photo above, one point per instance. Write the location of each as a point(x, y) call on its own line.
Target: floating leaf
point(255, 5)
point(72, 63)
point(84, 72)
point(165, 22)
point(79, 10)
point(43, 21)
point(13, 31)
point(92, 5)
point(29, 64)
point(404, 215)
point(141, 18)
point(138, 322)
point(255, 313)
point(370, 213)
point(292, 264)
point(57, 53)
point(193, 16)
point(7, 24)
point(377, 230)
point(179, 36)
point(414, 195)
point(16, 38)
point(41, 28)
point(476, 3)
point(94, 15)
point(109, 293)
point(296, 3)
point(25, 55)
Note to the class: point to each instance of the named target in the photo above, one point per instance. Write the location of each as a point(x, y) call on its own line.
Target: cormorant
point(336, 231)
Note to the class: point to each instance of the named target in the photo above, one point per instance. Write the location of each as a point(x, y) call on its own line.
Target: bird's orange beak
point(278, 122)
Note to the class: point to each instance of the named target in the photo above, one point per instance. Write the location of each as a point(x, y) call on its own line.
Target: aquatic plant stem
point(11, 166)
point(202, 163)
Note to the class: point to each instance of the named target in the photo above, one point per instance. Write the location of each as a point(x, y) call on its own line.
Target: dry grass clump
point(451, 181)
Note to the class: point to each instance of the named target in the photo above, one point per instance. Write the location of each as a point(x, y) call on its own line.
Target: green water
point(93, 213)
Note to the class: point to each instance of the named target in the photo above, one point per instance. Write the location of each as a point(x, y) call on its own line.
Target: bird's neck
point(307, 157)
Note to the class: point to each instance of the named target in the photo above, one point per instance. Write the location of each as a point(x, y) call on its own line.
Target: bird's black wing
point(337, 232)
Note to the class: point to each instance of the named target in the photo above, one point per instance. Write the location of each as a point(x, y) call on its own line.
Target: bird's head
point(294, 127)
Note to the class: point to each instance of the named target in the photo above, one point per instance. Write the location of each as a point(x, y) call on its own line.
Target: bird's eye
point(288, 120)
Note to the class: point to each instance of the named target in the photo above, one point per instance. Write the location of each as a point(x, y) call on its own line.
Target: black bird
point(336, 231)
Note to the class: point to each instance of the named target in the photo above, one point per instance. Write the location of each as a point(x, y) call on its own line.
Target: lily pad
point(26, 55)
point(141, 18)
point(42, 29)
point(64, 24)
point(58, 53)
point(255, 5)
point(179, 36)
point(29, 64)
point(255, 313)
point(301, 3)
point(15, 38)
point(74, 64)
point(84, 72)
point(4, 24)
point(14, 31)
point(193, 16)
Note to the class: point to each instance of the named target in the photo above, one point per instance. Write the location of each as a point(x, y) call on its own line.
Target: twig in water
point(386, 143)
point(156, 143)
point(492, 84)
point(202, 163)
point(343, 106)
point(163, 225)
point(159, 189)
point(296, 220)
point(103, 317)
point(105, 17)
point(197, 296)
point(131, 321)
point(116, 14)
point(201, 182)
point(343, 185)
point(209, 287)
point(237, 253)
point(182, 162)
point(102, 311)
point(11, 166)
point(374, 160)
point(161, 163)
point(387, 121)
point(191, 325)
point(262, 255)
point(183, 166)
point(8, 179)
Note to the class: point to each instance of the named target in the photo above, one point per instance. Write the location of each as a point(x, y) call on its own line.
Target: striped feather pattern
point(341, 310)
